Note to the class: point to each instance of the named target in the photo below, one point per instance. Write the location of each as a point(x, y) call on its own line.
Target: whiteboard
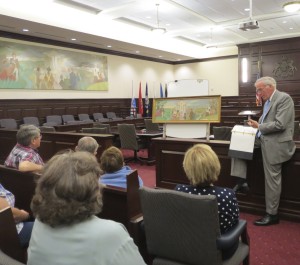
point(188, 88)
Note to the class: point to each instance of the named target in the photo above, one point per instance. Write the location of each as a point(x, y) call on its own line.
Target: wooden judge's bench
point(169, 172)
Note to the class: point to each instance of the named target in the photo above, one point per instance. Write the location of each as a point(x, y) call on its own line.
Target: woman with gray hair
point(66, 230)
point(24, 156)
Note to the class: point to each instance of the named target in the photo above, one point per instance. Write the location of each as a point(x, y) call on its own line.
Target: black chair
point(150, 126)
point(31, 120)
point(181, 235)
point(112, 116)
point(222, 133)
point(130, 141)
point(9, 239)
point(83, 117)
point(69, 119)
point(99, 117)
point(103, 125)
point(8, 123)
point(53, 120)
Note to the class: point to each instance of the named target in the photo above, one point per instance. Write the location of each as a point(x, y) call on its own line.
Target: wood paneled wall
point(279, 59)
point(17, 109)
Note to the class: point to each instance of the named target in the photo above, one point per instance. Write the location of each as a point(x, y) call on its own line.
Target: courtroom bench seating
point(21, 184)
point(119, 204)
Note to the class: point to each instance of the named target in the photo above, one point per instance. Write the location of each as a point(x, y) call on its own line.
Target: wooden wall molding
point(265, 57)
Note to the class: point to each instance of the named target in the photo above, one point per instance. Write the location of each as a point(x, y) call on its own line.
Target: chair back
point(9, 239)
point(52, 120)
point(103, 125)
point(98, 116)
point(31, 120)
point(150, 126)
point(128, 137)
point(8, 123)
point(84, 117)
point(111, 115)
point(177, 234)
point(68, 119)
point(222, 133)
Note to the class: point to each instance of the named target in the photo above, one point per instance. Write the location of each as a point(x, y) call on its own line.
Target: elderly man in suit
point(275, 137)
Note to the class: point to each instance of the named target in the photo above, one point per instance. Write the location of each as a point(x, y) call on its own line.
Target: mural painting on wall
point(25, 65)
point(285, 68)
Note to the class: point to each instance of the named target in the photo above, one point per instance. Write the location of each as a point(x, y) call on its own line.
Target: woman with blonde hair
point(202, 168)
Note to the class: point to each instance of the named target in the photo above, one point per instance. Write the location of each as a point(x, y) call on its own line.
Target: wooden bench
point(123, 205)
point(21, 184)
point(9, 239)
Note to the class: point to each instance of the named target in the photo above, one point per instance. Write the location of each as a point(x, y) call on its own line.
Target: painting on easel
point(202, 109)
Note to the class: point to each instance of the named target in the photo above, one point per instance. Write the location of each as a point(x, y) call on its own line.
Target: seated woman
point(202, 168)
point(112, 163)
point(24, 228)
point(66, 230)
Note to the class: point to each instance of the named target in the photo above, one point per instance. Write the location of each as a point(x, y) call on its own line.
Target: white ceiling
point(194, 27)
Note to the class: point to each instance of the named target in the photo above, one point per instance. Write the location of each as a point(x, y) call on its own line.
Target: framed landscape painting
point(202, 109)
point(35, 66)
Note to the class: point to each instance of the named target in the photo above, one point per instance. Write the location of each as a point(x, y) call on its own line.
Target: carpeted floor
point(272, 245)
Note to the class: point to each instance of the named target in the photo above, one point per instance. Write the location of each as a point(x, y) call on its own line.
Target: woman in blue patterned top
point(202, 167)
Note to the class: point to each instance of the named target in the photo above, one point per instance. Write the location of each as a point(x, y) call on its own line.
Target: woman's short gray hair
point(27, 133)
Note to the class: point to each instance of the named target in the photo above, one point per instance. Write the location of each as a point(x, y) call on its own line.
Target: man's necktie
point(265, 110)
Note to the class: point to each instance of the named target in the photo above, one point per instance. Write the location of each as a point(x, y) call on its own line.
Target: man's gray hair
point(267, 80)
point(87, 144)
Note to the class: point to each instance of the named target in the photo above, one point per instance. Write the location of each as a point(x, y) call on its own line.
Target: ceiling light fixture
point(158, 29)
point(293, 6)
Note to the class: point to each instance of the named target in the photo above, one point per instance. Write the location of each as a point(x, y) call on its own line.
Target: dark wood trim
point(169, 172)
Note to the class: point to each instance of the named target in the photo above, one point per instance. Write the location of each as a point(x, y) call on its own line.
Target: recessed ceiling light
point(108, 46)
point(25, 30)
point(137, 51)
point(247, 9)
point(261, 32)
point(160, 56)
point(291, 28)
point(293, 6)
point(73, 39)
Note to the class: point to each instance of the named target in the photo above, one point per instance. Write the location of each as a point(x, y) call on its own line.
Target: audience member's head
point(87, 144)
point(68, 191)
point(29, 135)
point(111, 160)
point(201, 165)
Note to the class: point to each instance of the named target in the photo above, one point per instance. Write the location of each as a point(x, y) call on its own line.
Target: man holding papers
point(275, 130)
